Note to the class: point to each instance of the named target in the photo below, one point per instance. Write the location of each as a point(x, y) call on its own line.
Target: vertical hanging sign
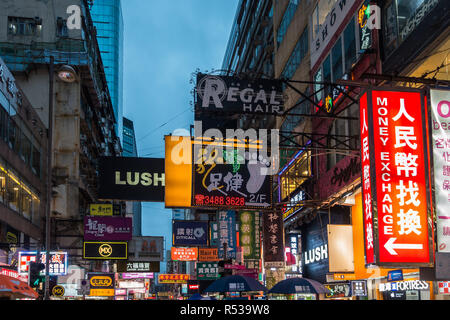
point(273, 243)
point(394, 178)
point(440, 124)
point(249, 237)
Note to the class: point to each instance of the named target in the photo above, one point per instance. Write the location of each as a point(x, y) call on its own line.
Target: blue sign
point(227, 234)
point(395, 275)
point(189, 233)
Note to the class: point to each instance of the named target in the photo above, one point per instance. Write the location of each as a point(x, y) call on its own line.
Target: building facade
point(108, 21)
point(23, 170)
point(83, 116)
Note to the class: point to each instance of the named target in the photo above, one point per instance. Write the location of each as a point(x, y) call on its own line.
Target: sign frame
point(368, 94)
point(109, 257)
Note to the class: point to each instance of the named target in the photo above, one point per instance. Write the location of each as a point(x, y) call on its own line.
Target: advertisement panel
point(144, 249)
point(273, 239)
point(340, 248)
point(107, 228)
point(249, 234)
point(184, 254)
point(100, 209)
point(208, 254)
point(57, 264)
point(227, 234)
point(173, 278)
point(189, 233)
point(237, 180)
point(137, 266)
point(101, 284)
point(236, 95)
point(207, 271)
point(440, 128)
point(130, 178)
point(104, 250)
point(178, 170)
point(398, 170)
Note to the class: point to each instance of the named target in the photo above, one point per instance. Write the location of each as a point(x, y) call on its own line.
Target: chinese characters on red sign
point(394, 177)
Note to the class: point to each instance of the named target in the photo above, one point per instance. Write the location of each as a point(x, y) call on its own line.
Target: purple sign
point(97, 228)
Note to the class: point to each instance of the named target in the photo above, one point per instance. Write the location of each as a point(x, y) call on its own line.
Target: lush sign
point(128, 178)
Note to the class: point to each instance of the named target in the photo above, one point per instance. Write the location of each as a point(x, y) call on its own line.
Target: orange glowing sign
point(184, 254)
point(173, 278)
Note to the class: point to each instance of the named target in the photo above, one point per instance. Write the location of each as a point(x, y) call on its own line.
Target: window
point(336, 53)
point(61, 28)
point(36, 161)
point(24, 26)
point(349, 45)
point(286, 20)
point(297, 55)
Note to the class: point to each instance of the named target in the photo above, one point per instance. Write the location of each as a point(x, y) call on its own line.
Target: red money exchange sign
point(394, 175)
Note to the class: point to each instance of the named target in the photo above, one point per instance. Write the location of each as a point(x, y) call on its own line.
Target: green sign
point(207, 270)
point(249, 234)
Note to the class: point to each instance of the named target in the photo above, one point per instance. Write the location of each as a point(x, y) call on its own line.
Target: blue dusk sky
point(164, 43)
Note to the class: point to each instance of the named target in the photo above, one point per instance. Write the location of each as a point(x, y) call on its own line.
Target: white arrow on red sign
point(390, 246)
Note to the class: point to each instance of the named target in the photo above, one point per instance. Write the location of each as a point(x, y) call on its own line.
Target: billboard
point(273, 240)
point(104, 250)
point(101, 284)
point(228, 94)
point(184, 254)
point(107, 228)
point(189, 233)
point(224, 175)
point(173, 278)
point(58, 264)
point(395, 177)
point(249, 234)
point(440, 129)
point(129, 178)
point(143, 249)
point(208, 254)
point(227, 234)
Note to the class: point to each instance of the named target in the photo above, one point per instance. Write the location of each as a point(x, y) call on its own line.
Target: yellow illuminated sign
point(102, 292)
point(178, 170)
point(101, 209)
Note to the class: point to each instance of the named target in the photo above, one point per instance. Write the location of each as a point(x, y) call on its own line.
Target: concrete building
point(83, 115)
point(23, 171)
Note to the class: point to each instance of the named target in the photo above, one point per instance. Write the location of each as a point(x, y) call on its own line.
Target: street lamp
point(67, 74)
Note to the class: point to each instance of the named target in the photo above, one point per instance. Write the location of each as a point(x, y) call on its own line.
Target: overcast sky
point(164, 43)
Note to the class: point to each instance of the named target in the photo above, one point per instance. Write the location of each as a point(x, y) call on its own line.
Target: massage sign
point(394, 178)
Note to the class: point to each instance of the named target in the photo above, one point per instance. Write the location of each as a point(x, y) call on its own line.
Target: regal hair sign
point(394, 178)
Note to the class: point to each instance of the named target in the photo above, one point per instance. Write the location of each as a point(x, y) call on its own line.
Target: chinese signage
point(249, 234)
point(128, 178)
point(135, 266)
point(184, 254)
point(173, 278)
point(98, 209)
point(394, 178)
point(404, 286)
point(208, 254)
point(440, 118)
point(231, 181)
point(207, 270)
point(293, 254)
point(338, 290)
point(101, 284)
point(105, 250)
point(235, 95)
point(137, 275)
point(365, 33)
point(273, 239)
point(107, 228)
point(146, 248)
point(57, 264)
point(227, 234)
point(189, 233)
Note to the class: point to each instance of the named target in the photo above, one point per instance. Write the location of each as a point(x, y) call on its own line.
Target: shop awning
point(15, 288)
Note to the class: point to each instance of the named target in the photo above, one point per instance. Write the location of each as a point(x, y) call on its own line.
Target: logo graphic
point(212, 87)
point(105, 250)
point(58, 291)
point(101, 281)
